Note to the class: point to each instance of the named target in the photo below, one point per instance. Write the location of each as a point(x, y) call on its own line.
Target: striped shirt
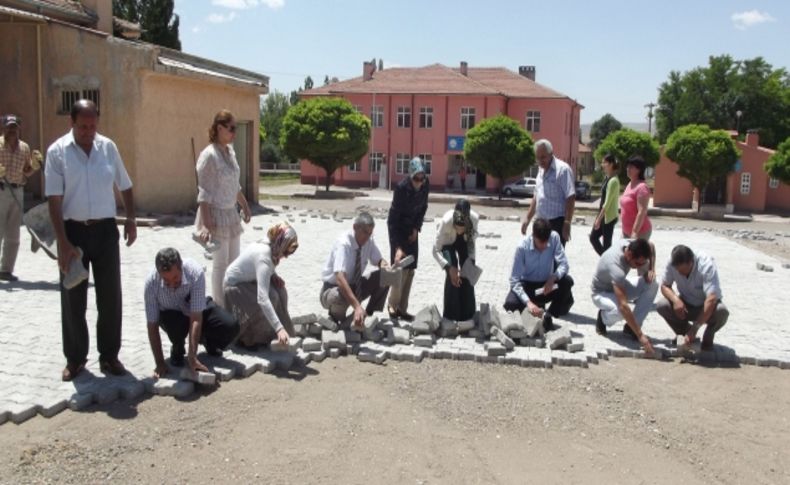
point(189, 297)
point(14, 160)
point(552, 188)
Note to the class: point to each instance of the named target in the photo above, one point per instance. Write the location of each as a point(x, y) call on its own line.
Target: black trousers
point(604, 230)
point(219, 329)
point(459, 303)
point(557, 225)
point(100, 254)
point(560, 300)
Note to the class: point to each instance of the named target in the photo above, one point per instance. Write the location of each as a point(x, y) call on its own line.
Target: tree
point(702, 154)
point(157, 21)
point(624, 144)
point(500, 147)
point(273, 111)
point(326, 80)
point(778, 166)
point(308, 83)
point(328, 132)
point(727, 94)
point(601, 129)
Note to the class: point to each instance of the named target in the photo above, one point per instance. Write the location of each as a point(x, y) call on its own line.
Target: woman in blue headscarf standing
point(409, 204)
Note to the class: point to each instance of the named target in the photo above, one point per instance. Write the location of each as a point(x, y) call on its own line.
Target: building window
point(375, 161)
point(402, 163)
point(377, 116)
point(69, 97)
point(533, 121)
point(467, 118)
point(404, 117)
point(426, 160)
point(773, 183)
point(746, 183)
point(426, 117)
point(355, 167)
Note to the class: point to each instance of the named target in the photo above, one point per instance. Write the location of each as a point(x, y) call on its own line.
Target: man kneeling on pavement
point(344, 284)
point(698, 299)
point(175, 300)
point(540, 264)
point(612, 292)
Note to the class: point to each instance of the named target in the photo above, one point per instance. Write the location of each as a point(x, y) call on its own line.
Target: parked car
point(524, 187)
point(583, 190)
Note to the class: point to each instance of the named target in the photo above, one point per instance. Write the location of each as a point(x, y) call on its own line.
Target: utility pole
point(650, 107)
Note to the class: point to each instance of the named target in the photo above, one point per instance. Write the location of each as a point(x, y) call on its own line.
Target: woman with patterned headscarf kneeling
point(455, 242)
point(255, 294)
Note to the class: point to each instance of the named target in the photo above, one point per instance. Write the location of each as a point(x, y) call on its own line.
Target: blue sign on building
point(455, 143)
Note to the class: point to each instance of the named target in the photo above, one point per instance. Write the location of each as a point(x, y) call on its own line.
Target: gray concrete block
point(406, 261)
point(315, 329)
point(333, 340)
point(327, 324)
point(371, 322)
point(495, 349)
point(536, 342)
point(302, 357)
point(576, 346)
point(498, 334)
point(374, 335)
point(424, 340)
point(310, 344)
point(484, 319)
point(421, 328)
point(431, 316)
point(465, 325)
point(448, 328)
point(471, 272)
point(517, 334)
point(318, 355)
point(399, 335)
point(52, 406)
point(476, 333)
point(334, 353)
point(19, 413)
point(391, 277)
point(3, 416)
point(352, 337)
point(202, 378)
point(224, 374)
point(510, 321)
point(172, 387)
point(558, 338)
point(532, 324)
point(305, 319)
point(367, 355)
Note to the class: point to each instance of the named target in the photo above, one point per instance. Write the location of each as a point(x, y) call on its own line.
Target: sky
point(609, 55)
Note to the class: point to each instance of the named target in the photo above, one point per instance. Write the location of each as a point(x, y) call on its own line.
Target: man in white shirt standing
point(344, 284)
point(82, 170)
point(698, 297)
point(555, 192)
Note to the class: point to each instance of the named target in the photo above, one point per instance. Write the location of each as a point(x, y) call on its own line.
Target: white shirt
point(343, 257)
point(446, 235)
point(701, 282)
point(254, 264)
point(85, 182)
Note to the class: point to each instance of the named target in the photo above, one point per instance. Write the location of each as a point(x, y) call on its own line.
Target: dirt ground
point(340, 421)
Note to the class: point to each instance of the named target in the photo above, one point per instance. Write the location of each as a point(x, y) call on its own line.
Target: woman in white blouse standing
point(255, 294)
point(455, 242)
point(218, 219)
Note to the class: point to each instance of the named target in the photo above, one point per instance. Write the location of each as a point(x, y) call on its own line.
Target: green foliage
point(328, 132)
point(713, 94)
point(158, 23)
point(702, 154)
point(500, 147)
point(778, 166)
point(273, 110)
point(624, 144)
point(601, 129)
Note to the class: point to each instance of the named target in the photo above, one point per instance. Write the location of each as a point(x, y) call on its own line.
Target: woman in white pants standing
point(219, 191)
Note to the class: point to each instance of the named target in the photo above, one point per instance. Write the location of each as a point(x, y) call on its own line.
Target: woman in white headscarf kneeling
point(255, 294)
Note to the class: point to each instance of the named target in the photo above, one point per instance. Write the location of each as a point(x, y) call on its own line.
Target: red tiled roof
point(73, 5)
point(440, 79)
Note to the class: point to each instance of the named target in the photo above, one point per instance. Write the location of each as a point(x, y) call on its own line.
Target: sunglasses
point(230, 128)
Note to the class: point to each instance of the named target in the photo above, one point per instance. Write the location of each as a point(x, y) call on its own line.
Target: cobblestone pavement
point(30, 334)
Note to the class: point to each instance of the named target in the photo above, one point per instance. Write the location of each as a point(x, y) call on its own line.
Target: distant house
point(156, 103)
point(748, 188)
point(426, 112)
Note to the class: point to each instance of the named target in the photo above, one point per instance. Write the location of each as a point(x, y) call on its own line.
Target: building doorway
point(715, 192)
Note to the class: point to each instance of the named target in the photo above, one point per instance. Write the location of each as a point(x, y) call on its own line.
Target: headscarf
point(282, 240)
point(416, 166)
point(462, 216)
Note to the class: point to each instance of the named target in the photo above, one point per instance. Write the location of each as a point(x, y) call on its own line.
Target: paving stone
point(411, 354)
point(19, 413)
point(476, 333)
point(465, 325)
point(532, 325)
point(310, 344)
point(172, 387)
point(224, 374)
point(498, 334)
point(371, 322)
point(495, 349)
point(333, 340)
point(471, 272)
point(484, 319)
point(517, 334)
point(305, 319)
point(576, 346)
point(302, 357)
point(315, 329)
point(765, 267)
point(406, 261)
point(558, 338)
point(328, 324)
point(390, 277)
point(448, 328)
point(421, 328)
point(51, 407)
point(318, 355)
point(334, 353)
point(352, 337)
point(532, 342)
point(199, 377)
point(367, 355)
point(424, 340)
point(431, 316)
point(3, 416)
point(398, 335)
point(374, 335)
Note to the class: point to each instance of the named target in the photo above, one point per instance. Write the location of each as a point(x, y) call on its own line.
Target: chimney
point(464, 68)
point(367, 70)
point(527, 71)
point(103, 10)
point(752, 138)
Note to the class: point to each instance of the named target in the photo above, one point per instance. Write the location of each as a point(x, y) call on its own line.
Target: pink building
point(746, 189)
point(426, 111)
